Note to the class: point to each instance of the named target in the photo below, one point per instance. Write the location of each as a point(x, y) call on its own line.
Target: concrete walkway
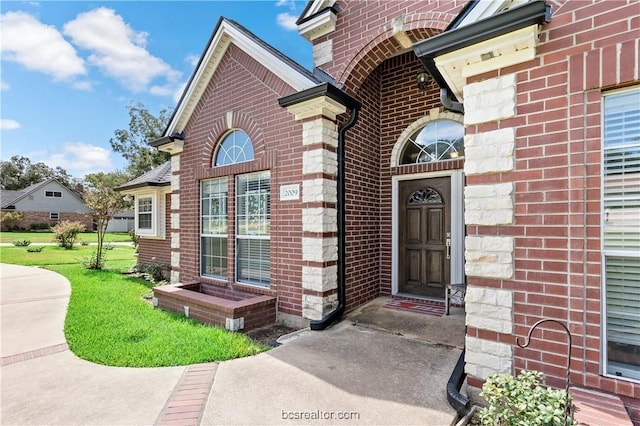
point(346, 375)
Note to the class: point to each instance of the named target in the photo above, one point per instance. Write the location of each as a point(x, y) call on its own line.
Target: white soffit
point(499, 52)
point(318, 26)
point(487, 8)
point(226, 34)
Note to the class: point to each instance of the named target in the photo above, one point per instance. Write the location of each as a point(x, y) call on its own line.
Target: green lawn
point(109, 322)
point(47, 237)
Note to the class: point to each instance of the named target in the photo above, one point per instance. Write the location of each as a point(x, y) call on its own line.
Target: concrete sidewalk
point(345, 375)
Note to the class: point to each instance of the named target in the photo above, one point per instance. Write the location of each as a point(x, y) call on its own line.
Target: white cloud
point(289, 3)
point(118, 50)
point(81, 158)
point(192, 60)
point(38, 47)
point(287, 21)
point(83, 85)
point(4, 86)
point(8, 124)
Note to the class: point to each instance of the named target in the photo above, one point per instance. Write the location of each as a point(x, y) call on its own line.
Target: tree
point(19, 172)
point(67, 233)
point(104, 202)
point(133, 143)
point(10, 220)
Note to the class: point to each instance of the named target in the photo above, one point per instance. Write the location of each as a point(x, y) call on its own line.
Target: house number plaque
point(290, 192)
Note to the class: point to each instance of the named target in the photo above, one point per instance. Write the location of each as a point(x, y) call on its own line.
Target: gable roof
point(225, 33)
point(313, 8)
point(14, 196)
point(159, 176)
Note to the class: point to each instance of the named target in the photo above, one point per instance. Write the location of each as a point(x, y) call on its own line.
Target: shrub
point(134, 238)
point(84, 243)
point(22, 243)
point(10, 220)
point(522, 400)
point(154, 272)
point(66, 233)
point(35, 249)
point(38, 226)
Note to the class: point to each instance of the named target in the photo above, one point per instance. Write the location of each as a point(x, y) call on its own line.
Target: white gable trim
point(316, 7)
point(226, 34)
point(486, 8)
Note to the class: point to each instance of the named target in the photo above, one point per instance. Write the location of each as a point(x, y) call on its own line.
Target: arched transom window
point(437, 141)
point(236, 147)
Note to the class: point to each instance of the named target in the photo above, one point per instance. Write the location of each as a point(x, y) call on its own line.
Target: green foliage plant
point(10, 220)
point(522, 401)
point(22, 243)
point(35, 249)
point(66, 233)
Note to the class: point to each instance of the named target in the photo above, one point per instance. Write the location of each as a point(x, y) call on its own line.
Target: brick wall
point(587, 48)
point(43, 217)
point(156, 250)
point(246, 92)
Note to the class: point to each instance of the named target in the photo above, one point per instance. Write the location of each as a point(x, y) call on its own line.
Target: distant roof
point(160, 176)
point(10, 197)
point(7, 197)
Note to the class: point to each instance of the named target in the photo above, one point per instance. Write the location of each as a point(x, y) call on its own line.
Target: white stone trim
point(320, 220)
point(315, 307)
point(175, 201)
point(484, 357)
point(319, 190)
point(489, 256)
point(319, 279)
point(490, 152)
point(319, 249)
point(175, 240)
point(175, 220)
point(489, 309)
point(320, 130)
point(175, 277)
point(175, 163)
point(320, 161)
point(490, 100)
point(322, 53)
point(489, 204)
point(175, 259)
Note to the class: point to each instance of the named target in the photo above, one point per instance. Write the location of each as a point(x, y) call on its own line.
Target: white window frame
point(204, 235)
point(158, 209)
point(53, 194)
point(57, 216)
point(631, 374)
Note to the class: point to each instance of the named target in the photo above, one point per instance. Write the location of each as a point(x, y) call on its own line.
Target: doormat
point(428, 307)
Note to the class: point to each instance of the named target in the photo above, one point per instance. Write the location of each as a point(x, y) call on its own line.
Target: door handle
point(448, 245)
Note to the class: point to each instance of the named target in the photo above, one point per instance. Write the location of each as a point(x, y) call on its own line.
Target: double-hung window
point(253, 225)
point(621, 233)
point(145, 213)
point(213, 228)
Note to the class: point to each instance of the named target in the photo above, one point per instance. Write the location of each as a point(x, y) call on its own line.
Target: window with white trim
point(253, 228)
point(437, 141)
point(621, 233)
point(53, 194)
point(213, 228)
point(236, 147)
point(54, 215)
point(144, 213)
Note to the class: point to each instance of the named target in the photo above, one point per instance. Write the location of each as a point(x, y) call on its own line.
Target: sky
point(70, 69)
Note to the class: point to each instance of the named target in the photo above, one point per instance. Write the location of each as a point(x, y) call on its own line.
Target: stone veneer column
point(489, 205)
point(175, 218)
point(319, 200)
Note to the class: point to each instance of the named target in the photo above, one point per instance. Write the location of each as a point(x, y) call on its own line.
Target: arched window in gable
point(235, 147)
point(437, 141)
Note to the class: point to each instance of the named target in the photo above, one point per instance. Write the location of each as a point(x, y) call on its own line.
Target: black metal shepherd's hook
point(567, 405)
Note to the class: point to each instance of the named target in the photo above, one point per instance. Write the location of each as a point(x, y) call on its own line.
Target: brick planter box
point(210, 304)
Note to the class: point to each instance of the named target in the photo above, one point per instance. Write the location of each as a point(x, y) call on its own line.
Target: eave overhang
point(172, 144)
point(132, 188)
point(505, 39)
point(318, 25)
point(226, 33)
point(328, 91)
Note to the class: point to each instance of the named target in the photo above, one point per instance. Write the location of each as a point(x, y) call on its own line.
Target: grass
point(38, 237)
point(108, 321)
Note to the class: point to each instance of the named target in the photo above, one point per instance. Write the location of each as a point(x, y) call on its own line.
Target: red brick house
point(492, 143)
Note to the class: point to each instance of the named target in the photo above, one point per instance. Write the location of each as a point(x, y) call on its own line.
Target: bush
point(66, 233)
point(154, 272)
point(134, 238)
point(22, 243)
point(35, 249)
point(522, 400)
point(10, 220)
point(38, 226)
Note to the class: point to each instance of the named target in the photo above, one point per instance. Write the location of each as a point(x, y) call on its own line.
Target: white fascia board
point(225, 35)
point(318, 26)
point(317, 6)
point(507, 50)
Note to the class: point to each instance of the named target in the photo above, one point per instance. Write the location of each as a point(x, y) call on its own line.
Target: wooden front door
point(425, 236)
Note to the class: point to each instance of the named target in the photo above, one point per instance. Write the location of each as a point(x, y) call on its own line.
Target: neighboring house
point(511, 165)
point(46, 203)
